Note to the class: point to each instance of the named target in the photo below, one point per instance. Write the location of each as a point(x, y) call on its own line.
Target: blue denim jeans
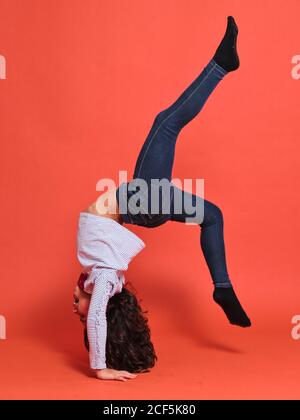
point(155, 161)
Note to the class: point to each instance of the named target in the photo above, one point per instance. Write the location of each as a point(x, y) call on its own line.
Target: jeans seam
point(224, 285)
point(154, 135)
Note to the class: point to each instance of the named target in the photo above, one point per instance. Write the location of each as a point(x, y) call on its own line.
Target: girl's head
point(81, 303)
point(128, 343)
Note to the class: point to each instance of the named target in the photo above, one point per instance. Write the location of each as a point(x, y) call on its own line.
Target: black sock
point(226, 55)
point(227, 299)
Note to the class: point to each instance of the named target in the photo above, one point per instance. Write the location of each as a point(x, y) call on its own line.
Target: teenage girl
point(115, 330)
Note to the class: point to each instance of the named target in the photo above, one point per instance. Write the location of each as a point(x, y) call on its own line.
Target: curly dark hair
point(128, 344)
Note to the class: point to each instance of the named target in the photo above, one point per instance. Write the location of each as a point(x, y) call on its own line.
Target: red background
point(84, 81)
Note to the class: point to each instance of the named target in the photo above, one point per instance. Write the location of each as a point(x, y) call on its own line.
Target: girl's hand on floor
point(119, 375)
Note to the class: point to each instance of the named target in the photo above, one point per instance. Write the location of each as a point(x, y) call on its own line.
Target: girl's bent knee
point(212, 214)
point(162, 115)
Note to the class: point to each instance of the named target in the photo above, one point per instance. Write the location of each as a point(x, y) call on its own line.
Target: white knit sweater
point(104, 249)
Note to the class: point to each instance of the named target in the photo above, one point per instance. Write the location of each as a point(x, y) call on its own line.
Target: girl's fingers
point(120, 378)
point(127, 374)
point(123, 374)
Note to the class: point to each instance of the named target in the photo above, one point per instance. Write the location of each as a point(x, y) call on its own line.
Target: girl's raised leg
point(156, 156)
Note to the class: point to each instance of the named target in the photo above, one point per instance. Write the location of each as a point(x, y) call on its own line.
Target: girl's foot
point(227, 299)
point(226, 55)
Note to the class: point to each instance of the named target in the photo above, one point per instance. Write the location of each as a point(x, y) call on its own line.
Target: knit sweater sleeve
point(104, 283)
